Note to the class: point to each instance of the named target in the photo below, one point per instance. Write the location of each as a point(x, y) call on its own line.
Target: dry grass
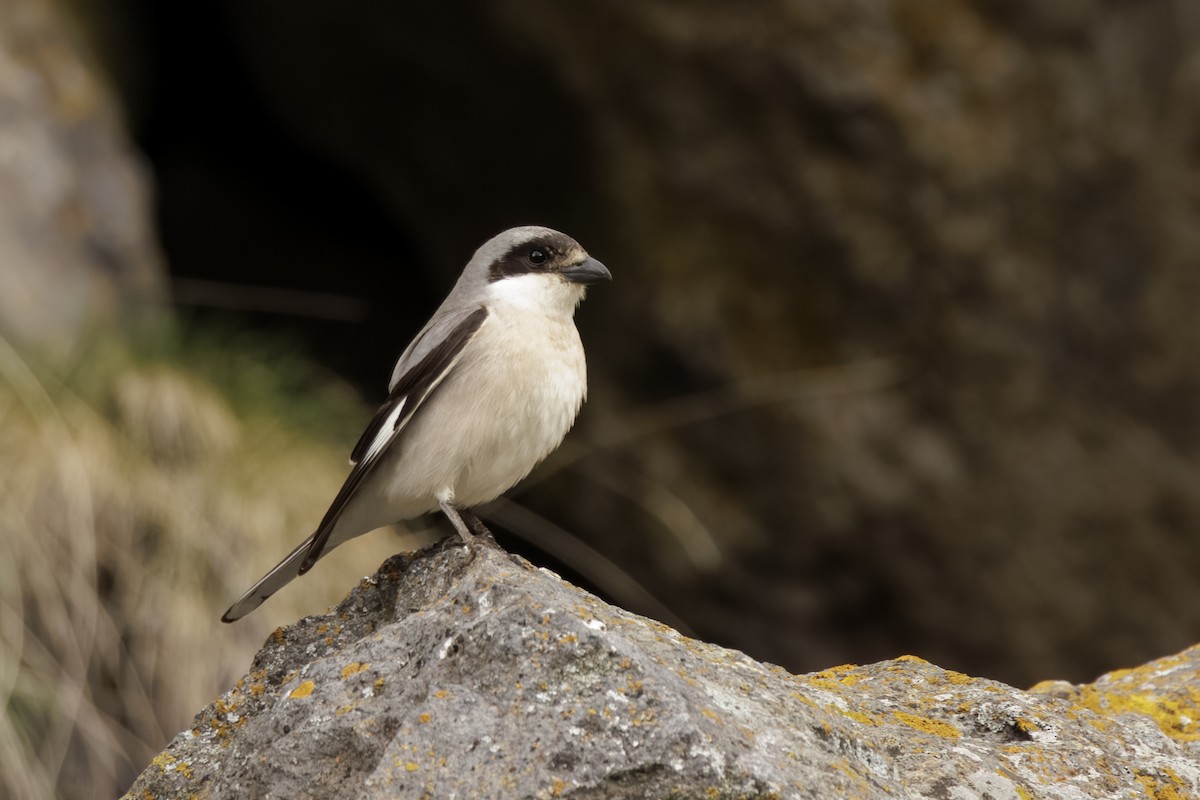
point(140, 492)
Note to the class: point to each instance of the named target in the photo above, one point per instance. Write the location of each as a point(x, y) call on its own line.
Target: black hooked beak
point(587, 271)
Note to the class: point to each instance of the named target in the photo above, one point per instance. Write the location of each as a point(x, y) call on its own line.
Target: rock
point(75, 239)
point(445, 675)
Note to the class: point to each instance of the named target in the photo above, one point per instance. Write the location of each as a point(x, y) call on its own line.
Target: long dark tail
point(269, 584)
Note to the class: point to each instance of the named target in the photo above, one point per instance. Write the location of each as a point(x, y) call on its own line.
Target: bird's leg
point(457, 521)
point(475, 524)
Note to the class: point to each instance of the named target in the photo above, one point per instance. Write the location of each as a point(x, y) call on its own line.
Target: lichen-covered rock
point(447, 675)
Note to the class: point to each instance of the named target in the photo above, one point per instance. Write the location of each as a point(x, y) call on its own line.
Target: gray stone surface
point(450, 676)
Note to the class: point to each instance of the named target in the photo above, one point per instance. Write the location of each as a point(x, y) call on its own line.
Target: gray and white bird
point(487, 389)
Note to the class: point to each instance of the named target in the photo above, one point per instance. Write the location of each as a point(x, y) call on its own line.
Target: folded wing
point(412, 388)
point(433, 356)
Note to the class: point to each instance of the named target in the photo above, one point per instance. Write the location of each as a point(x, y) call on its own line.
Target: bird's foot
point(464, 522)
point(476, 525)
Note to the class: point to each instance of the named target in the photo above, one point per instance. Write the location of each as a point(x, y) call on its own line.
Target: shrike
point(486, 390)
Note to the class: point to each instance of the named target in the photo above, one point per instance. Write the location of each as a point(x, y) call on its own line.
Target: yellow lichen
point(829, 673)
point(850, 772)
point(1048, 687)
point(1157, 790)
point(857, 716)
point(912, 659)
point(934, 727)
point(958, 678)
point(1177, 716)
point(163, 761)
point(1165, 690)
point(1026, 725)
point(353, 668)
point(303, 690)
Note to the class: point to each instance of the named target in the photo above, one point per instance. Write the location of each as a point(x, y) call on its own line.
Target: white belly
point(488, 424)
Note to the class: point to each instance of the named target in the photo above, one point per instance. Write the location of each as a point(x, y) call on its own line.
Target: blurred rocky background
point(901, 354)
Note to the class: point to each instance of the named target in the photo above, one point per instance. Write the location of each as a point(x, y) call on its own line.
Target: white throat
point(537, 292)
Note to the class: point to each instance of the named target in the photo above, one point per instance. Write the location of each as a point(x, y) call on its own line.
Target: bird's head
point(538, 268)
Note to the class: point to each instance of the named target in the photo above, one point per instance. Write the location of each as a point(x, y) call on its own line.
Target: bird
point(488, 388)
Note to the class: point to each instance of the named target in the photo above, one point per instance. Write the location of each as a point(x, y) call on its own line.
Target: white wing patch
point(386, 431)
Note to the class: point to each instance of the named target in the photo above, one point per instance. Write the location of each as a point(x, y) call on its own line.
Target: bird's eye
point(537, 256)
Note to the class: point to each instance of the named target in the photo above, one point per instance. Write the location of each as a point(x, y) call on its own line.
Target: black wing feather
point(411, 390)
point(376, 425)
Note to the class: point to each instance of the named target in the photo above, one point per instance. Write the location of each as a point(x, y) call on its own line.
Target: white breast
point(535, 378)
point(507, 405)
